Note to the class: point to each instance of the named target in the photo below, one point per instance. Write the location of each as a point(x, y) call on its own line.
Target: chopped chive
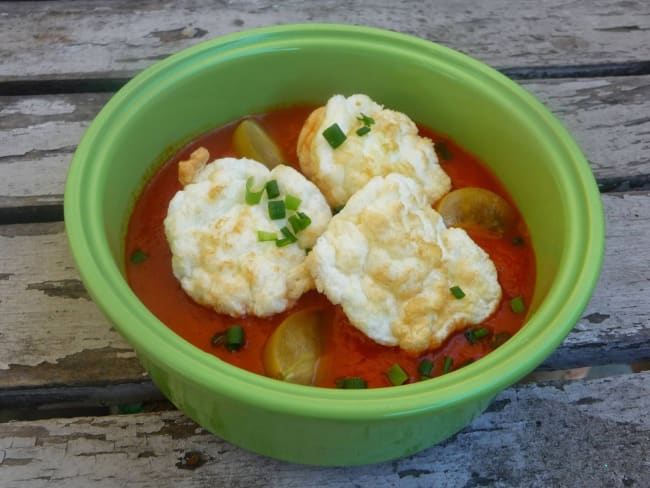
point(367, 121)
point(362, 131)
point(518, 241)
point(252, 197)
point(234, 338)
point(446, 367)
point(307, 250)
point(138, 257)
point(294, 220)
point(397, 375)
point(457, 291)
point(334, 135)
point(287, 239)
point(442, 150)
point(277, 209)
point(264, 236)
point(272, 189)
point(337, 209)
point(284, 242)
point(475, 335)
point(351, 383)
point(305, 220)
point(425, 367)
point(481, 333)
point(287, 234)
point(469, 335)
point(517, 305)
point(299, 221)
point(499, 339)
point(292, 202)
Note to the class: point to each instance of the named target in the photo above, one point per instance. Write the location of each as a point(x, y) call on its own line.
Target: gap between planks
point(517, 73)
point(588, 433)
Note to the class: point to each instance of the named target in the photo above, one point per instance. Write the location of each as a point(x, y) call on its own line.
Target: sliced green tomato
point(293, 350)
point(252, 141)
point(477, 209)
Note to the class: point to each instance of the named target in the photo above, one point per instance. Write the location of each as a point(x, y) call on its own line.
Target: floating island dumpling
point(387, 142)
point(217, 254)
point(388, 259)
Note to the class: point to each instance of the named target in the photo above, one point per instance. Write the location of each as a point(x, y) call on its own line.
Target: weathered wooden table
point(69, 384)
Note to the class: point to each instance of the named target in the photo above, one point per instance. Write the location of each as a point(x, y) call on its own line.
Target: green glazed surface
point(226, 78)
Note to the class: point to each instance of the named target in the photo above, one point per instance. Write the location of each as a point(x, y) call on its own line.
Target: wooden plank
point(583, 433)
point(38, 134)
point(608, 117)
point(614, 326)
point(52, 333)
point(90, 39)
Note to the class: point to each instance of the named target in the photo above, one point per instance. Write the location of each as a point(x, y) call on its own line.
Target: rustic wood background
point(60, 61)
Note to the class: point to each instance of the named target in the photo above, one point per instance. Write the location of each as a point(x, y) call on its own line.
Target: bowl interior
point(218, 81)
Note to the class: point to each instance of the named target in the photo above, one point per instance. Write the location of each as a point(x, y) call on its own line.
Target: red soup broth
point(346, 351)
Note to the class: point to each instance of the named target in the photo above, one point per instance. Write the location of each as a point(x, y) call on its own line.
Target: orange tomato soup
point(346, 351)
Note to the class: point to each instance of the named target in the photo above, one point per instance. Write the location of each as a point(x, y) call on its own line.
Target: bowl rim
point(581, 259)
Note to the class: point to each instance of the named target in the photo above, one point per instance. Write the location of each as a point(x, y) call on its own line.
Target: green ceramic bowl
point(226, 78)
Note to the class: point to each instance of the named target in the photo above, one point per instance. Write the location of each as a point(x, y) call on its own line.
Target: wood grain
point(84, 39)
point(38, 134)
point(529, 436)
point(60, 61)
point(52, 331)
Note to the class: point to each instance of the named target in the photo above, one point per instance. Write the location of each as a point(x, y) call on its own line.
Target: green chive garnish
point(284, 242)
point(294, 220)
point(264, 236)
point(475, 335)
point(277, 209)
point(272, 189)
point(299, 221)
point(305, 220)
point(337, 209)
point(138, 257)
point(292, 202)
point(362, 131)
point(252, 197)
point(446, 367)
point(457, 292)
point(351, 383)
point(397, 375)
point(334, 135)
point(481, 332)
point(287, 239)
point(367, 121)
point(469, 335)
point(517, 305)
point(287, 234)
point(443, 151)
point(425, 367)
point(232, 338)
point(518, 241)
